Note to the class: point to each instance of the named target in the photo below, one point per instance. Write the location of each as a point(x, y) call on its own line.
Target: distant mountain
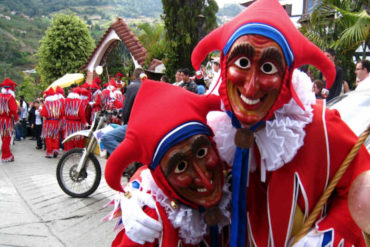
point(123, 8)
point(23, 24)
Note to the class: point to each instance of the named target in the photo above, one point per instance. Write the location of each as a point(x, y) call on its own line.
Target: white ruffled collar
point(189, 222)
point(281, 138)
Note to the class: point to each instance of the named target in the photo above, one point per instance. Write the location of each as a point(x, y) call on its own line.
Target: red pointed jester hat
point(49, 92)
point(267, 18)
point(7, 83)
point(59, 90)
point(162, 116)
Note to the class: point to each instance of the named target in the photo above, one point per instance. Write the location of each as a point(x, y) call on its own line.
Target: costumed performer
point(8, 115)
point(181, 184)
point(288, 144)
point(52, 112)
point(74, 115)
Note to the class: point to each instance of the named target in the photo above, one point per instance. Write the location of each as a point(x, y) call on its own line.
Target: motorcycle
point(78, 171)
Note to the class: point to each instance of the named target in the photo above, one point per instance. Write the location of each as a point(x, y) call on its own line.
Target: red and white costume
point(112, 98)
point(183, 225)
point(53, 112)
point(96, 97)
point(74, 116)
point(8, 115)
point(298, 149)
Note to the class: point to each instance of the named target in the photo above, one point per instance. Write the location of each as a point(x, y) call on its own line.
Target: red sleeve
point(12, 104)
point(122, 240)
point(97, 101)
point(341, 140)
point(44, 112)
point(82, 114)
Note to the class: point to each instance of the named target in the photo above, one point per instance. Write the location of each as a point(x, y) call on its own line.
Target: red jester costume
point(96, 98)
point(8, 114)
point(74, 115)
point(52, 111)
point(288, 146)
point(183, 173)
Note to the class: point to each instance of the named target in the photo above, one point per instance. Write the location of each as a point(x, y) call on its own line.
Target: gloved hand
point(139, 227)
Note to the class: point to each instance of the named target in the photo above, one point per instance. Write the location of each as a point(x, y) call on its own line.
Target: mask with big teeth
point(255, 69)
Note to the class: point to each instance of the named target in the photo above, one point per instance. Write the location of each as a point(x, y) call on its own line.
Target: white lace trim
point(282, 137)
point(189, 221)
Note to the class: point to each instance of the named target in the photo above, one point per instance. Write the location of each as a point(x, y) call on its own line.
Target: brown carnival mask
point(194, 170)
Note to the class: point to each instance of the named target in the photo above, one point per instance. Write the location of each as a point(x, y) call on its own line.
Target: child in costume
point(183, 177)
point(8, 115)
point(287, 145)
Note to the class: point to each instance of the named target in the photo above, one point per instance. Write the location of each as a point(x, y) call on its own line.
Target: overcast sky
point(222, 2)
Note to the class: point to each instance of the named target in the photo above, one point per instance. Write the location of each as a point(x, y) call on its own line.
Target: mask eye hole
point(202, 152)
point(243, 63)
point(269, 68)
point(181, 166)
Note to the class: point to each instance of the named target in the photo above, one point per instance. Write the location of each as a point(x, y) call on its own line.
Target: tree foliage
point(342, 25)
point(65, 47)
point(186, 22)
point(153, 38)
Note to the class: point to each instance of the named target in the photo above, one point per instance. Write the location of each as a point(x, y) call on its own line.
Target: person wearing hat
point(52, 111)
point(288, 145)
point(8, 115)
point(74, 119)
point(181, 183)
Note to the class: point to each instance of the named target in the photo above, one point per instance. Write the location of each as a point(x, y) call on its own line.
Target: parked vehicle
point(78, 170)
point(354, 108)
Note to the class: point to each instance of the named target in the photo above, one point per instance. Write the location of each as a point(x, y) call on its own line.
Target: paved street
point(34, 211)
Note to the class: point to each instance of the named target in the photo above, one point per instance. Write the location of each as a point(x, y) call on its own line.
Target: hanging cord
point(338, 175)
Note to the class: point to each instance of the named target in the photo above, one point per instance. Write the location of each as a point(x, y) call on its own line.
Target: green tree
point(342, 25)
point(186, 22)
point(152, 37)
point(65, 47)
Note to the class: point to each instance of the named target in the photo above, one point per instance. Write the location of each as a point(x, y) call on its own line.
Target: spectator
point(317, 87)
point(336, 88)
point(24, 114)
point(164, 78)
point(37, 124)
point(187, 83)
point(205, 75)
point(213, 87)
point(362, 74)
point(31, 120)
point(114, 137)
point(178, 78)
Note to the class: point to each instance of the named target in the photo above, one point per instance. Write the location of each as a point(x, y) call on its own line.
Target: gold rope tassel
point(338, 175)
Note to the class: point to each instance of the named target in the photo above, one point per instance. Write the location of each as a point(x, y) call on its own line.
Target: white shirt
point(24, 112)
point(38, 117)
point(364, 84)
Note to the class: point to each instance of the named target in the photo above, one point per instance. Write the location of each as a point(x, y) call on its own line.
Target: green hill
point(23, 24)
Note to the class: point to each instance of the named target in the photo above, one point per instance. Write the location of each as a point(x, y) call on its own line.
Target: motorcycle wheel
point(68, 180)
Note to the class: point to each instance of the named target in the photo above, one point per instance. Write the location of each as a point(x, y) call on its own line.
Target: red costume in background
point(75, 120)
point(8, 114)
point(52, 111)
point(96, 103)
